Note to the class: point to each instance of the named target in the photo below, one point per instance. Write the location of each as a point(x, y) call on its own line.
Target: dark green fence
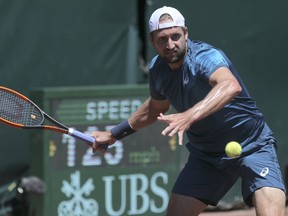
point(78, 43)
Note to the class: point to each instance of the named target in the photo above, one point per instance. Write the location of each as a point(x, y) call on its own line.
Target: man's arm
point(224, 88)
point(145, 115)
point(148, 113)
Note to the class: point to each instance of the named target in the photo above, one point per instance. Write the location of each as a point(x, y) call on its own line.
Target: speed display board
point(135, 175)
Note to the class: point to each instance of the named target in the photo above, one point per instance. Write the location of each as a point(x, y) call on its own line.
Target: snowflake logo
point(77, 205)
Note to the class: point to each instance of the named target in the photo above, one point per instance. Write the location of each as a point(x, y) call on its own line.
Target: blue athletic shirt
point(240, 120)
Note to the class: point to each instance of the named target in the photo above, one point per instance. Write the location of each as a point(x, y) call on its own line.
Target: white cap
point(178, 19)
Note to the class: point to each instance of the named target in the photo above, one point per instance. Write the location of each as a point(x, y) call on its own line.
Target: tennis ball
point(233, 149)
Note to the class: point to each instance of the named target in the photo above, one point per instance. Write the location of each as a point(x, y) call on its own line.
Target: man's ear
point(186, 33)
point(151, 37)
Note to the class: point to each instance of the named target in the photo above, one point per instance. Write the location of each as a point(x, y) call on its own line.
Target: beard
point(174, 57)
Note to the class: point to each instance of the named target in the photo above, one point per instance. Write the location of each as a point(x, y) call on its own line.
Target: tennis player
point(213, 107)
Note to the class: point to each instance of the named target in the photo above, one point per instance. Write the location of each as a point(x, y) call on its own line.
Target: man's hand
point(101, 137)
point(177, 123)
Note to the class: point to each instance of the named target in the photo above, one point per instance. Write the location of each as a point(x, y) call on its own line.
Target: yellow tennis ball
point(233, 149)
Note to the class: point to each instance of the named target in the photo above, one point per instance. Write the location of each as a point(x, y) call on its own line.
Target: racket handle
point(85, 137)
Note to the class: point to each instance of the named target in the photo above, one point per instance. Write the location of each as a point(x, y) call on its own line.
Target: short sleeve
point(209, 60)
point(153, 93)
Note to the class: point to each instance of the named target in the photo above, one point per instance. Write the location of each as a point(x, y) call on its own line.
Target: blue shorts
point(208, 177)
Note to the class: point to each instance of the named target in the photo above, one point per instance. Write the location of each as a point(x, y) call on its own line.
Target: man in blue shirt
point(213, 108)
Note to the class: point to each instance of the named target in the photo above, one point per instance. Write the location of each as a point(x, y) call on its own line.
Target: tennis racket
point(18, 111)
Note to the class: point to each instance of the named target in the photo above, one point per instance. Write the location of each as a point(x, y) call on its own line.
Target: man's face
point(170, 44)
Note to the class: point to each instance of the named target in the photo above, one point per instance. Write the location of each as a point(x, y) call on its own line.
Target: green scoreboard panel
point(134, 177)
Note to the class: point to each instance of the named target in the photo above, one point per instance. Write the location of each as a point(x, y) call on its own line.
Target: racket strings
point(17, 110)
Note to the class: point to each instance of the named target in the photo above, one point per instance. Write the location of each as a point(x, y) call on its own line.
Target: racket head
point(17, 110)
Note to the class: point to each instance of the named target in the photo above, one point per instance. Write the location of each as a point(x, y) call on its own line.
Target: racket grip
point(84, 137)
